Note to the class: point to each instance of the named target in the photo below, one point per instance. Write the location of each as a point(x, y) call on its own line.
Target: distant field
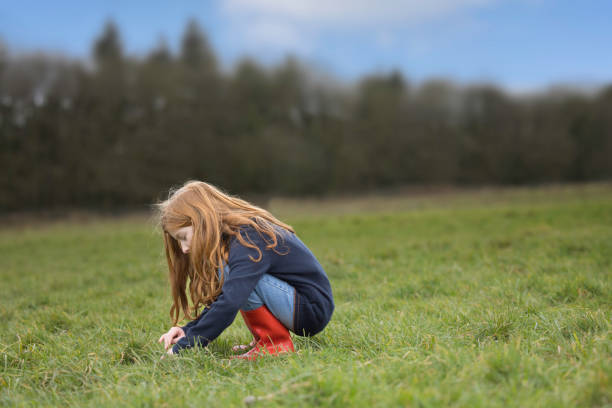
point(489, 298)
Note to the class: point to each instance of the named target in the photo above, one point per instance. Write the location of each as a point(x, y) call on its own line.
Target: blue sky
point(519, 44)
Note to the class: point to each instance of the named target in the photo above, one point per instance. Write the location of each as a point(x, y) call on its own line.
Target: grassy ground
point(489, 298)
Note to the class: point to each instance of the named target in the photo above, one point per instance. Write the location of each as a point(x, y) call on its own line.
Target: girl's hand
point(240, 347)
point(169, 352)
point(173, 335)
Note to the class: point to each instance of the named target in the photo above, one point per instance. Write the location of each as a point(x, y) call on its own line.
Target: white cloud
point(274, 27)
point(276, 34)
point(351, 12)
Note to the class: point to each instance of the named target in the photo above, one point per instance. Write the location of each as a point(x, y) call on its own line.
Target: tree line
point(118, 131)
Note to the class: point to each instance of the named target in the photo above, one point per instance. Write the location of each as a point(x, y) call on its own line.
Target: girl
point(233, 256)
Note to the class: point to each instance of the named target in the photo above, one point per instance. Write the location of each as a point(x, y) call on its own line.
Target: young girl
point(228, 256)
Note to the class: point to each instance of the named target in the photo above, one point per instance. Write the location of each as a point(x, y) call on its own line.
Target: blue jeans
point(276, 294)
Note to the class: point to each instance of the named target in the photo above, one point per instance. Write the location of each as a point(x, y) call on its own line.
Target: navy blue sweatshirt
point(291, 261)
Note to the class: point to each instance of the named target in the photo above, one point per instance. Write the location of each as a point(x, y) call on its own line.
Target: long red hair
point(216, 217)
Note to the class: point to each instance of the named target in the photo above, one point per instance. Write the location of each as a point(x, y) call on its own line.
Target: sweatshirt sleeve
point(243, 276)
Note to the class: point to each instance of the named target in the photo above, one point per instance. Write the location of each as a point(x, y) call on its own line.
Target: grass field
point(485, 298)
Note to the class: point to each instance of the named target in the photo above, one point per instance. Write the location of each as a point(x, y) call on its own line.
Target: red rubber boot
point(272, 337)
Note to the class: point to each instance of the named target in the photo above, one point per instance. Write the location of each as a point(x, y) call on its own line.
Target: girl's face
point(183, 236)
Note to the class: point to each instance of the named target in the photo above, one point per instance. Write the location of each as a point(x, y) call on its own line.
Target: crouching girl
point(228, 255)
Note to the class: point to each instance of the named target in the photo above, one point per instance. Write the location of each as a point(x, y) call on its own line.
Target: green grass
point(481, 299)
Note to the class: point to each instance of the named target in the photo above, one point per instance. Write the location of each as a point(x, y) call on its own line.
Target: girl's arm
point(237, 287)
point(195, 321)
